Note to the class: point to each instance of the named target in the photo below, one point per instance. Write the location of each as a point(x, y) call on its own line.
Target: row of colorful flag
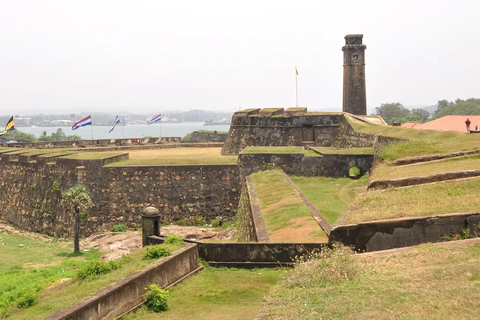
point(87, 121)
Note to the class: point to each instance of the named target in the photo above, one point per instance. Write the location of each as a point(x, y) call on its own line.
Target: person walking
point(467, 123)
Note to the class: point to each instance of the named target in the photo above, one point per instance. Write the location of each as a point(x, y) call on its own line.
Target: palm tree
point(77, 198)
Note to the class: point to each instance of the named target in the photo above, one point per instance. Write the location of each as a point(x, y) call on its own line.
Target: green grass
point(273, 150)
point(312, 153)
point(92, 155)
point(383, 171)
point(421, 200)
point(325, 150)
point(282, 208)
point(37, 265)
point(28, 265)
point(54, 300)
point(330, 196)
point(176, 156)
point(178, 161)
point(420, 142)
point(426, 282)
point(217, 293)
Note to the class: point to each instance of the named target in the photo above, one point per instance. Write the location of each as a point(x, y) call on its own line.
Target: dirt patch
point(115, 245)
point(303, 229)
point(37, 236)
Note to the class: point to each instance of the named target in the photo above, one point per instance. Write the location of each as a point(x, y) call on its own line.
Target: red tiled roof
point(451, 123)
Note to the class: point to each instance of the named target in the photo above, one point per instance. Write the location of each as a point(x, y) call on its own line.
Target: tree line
point(397, 113)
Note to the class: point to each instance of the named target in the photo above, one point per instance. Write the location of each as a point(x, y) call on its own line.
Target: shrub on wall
point(156, 298)
point(56, 186)
point(156, 251)
point(173, 239)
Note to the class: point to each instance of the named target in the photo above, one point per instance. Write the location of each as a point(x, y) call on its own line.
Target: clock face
point(355, 56)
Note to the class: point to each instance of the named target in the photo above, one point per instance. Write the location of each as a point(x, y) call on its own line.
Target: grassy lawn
point(330, 196)
point(273, 150)
point(217, 293)
point(30, 267)
point(92, 155)
point(286, 217)
point(172, 156)
point(324, 150)
point(430, 281)
point(421, 142)
point(383, 171)
point(428, 199)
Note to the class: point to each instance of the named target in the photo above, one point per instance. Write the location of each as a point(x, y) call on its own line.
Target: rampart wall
point(92, 143)
point(31, 193)
point(254, 128)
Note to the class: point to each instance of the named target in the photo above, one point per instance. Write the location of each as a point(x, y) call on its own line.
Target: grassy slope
point(330, 196)
point(427, 282)
point(217, 293)
point(424, 141)
point(428, 199)
point(284, 213)
point(383, 171)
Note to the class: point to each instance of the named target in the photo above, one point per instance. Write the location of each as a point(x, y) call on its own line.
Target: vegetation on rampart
point(217, 293)
point(430, 281)
point(45, 273)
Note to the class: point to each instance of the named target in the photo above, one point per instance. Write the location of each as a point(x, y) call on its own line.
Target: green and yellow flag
point(10, 126)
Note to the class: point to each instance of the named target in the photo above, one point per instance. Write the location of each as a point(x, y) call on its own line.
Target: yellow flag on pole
point(296, 71)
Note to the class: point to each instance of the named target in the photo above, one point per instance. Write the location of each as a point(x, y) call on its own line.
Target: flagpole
point(91, 130)
point(296, 85)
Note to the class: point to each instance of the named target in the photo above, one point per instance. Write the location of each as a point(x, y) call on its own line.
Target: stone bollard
point(150, 224)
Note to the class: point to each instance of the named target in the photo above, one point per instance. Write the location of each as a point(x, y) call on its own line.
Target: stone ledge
point(412, 181)
point(429, 158)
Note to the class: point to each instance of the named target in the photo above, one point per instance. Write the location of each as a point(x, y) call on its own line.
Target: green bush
point(121, 227)
point(215, 223)
point(156, 298)
point(94, 268)
point(156, 251)
point(27, 300)
point(173, 239)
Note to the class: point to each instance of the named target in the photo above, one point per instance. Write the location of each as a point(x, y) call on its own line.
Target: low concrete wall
point(397, 233)
point(128, 293)
point(254, 254)
point(396, 183)
point(331, 165)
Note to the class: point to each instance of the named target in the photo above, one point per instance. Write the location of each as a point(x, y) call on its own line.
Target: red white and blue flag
point(84, 122)
point(115, 122)
point(155, 119)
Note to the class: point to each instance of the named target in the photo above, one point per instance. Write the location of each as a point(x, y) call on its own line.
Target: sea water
point(128, 131)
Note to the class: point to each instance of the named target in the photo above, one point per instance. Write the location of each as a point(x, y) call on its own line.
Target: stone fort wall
point(31, 193)
point(292, 127)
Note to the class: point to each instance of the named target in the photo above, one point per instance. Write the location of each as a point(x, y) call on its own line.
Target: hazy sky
point(71, 56)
